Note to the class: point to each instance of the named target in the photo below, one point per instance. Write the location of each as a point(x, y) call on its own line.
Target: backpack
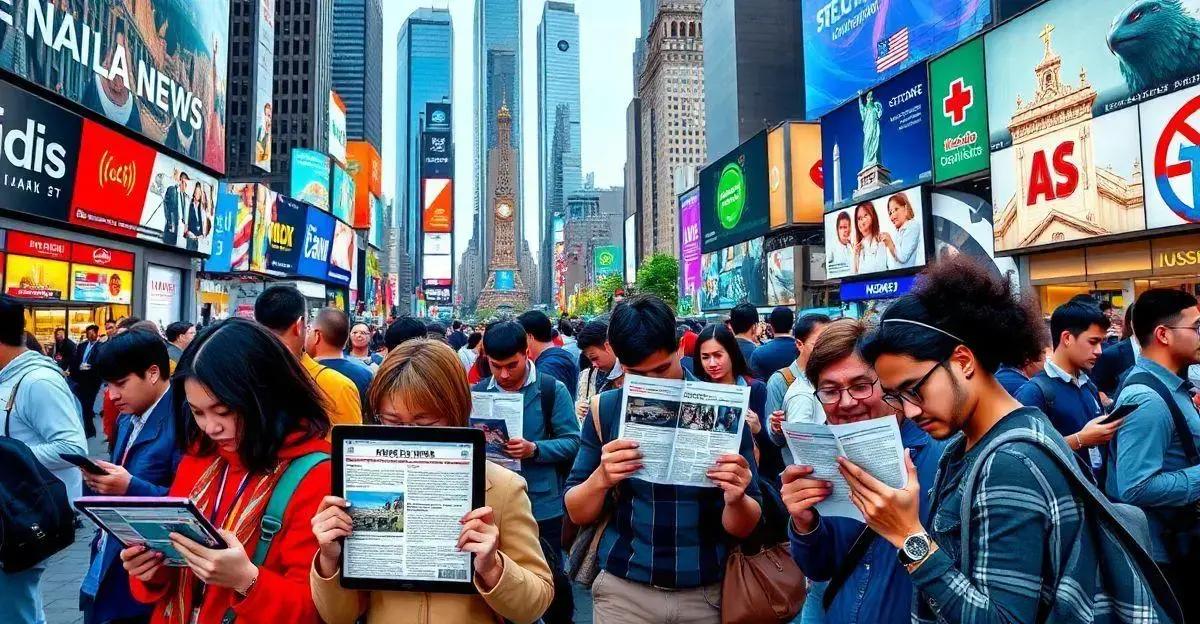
point(36, 518)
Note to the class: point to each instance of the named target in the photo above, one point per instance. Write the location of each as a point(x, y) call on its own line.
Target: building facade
point(358, 72)
point(753, 69)
point(672, 134)
point(595, 218)
point(505, 286)
point(424, 73)
point(300, 95)
point(559, 159)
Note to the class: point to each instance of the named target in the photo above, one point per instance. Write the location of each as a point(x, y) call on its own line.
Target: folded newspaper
point(682, 427)
point(873, 445)
point(501, 417)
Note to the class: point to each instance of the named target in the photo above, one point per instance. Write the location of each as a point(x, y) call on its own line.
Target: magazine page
point(406, 499)
point(151, 526)
point(873, 445)
point(650, 417)
point(711, 417)
point(501, 417)
point(817, 446)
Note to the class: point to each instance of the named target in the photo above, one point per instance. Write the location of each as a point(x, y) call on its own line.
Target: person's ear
point(965, 359)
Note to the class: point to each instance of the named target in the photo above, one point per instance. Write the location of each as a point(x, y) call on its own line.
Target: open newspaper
point(682, 427)
point(405, 500)
point(501, 417)
point(873, 445)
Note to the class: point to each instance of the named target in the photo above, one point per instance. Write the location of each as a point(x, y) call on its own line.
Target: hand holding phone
point(1117, 414)
point(84, 463)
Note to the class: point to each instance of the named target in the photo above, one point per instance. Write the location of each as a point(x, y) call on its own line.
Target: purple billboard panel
point(690, 249)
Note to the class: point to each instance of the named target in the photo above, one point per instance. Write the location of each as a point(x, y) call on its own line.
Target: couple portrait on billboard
point(187, 207)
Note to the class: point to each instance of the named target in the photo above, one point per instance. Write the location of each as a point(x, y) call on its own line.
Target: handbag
point(583, 559)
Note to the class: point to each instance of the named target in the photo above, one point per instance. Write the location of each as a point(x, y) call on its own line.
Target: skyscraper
point(358, 72)
point(424, 73)
point(753, 69)
point(559, 140)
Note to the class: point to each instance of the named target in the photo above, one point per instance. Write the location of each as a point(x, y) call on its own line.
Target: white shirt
point(873, 258)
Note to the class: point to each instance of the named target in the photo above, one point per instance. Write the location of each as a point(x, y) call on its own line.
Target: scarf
point(243, 520)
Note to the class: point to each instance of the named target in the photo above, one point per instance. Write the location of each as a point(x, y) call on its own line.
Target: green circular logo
point(731, 195)
point(607, 258)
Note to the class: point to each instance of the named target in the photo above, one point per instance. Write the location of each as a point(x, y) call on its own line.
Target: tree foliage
point(659, 275)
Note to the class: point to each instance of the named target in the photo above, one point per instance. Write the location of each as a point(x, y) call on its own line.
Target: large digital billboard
point(879, 142)
point(885, 234)
point(690, 279)
point(341, 194)
point(342, 254)
point(157, 67)
point(808, 176)
point(337, 128)
point(1171, 159)
point(958, 96)
point(310, 177)
point(608, 260)
point(318, 242)
point(285, 236)
point(852, 45)
point(735, 196)
point(962, 224)
point(436, 159)
point(733, 275)
point(40, 147)
point(264, 76)
point(438, 213)
point(364, 166)
point(101, 275)
point(224, 227)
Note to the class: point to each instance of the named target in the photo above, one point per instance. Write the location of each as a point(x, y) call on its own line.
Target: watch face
point(916, 547)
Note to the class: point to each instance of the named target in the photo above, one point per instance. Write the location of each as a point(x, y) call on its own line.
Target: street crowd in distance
point(1050, 459)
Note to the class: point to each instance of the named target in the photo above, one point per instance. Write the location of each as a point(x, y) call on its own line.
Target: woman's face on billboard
point(843, 231)
point(865, 219)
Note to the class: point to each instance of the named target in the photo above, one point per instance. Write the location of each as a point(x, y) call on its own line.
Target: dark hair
point(639, 327)
point(93, 327)
point(960, 297)
point(1105, 306)
point(279, 307)
point(128, 322)
point(12, 322)
point(177, 329)
point(335, 325)
point(726, 339)
point(1075, 317)
point(133, 352)
point(272, 401)
point(404, 328)
point(1084, 298)
point(742, 317)
point(1127, 326)
point(1158, 306)
point(564, 326)
point(538, 325)
point(505, 340)
point(434, 327)
point(456, 324)
point(592, 335)
point(805, 325)
point(31, 343)
point(473, 339)
point(781, 319)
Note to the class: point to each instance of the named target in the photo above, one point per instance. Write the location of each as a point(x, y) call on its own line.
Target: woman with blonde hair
point(421, 383)
point(903, 250)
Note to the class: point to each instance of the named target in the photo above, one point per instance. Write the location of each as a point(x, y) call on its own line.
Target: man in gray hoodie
point(37, 408)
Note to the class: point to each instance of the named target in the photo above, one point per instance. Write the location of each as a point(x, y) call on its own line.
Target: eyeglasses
point(1195, 328)
point(860, 391)
point(911, 394)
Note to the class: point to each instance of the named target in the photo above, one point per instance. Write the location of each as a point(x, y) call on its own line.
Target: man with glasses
point(865, 580)
point(1154, 462)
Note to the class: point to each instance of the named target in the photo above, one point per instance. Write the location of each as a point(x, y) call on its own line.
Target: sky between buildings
point(607, 29)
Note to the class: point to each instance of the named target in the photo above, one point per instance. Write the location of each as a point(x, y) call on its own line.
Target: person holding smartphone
point(249, 422)
point(421, 383)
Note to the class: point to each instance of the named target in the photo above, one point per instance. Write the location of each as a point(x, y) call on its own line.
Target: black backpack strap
point(862, 543)
point(548, 391)
point(12, 398)
point(1142, 378)
point(1046, 387)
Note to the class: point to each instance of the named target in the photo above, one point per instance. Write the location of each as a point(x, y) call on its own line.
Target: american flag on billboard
point(892, 51)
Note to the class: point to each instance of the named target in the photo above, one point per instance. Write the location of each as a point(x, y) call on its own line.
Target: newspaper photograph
point(682, 427)
point(501, 417)
point(405, 500)
point(873, 445)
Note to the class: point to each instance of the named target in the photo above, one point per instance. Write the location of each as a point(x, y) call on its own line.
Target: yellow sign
point(36, 278)
point(777, 176)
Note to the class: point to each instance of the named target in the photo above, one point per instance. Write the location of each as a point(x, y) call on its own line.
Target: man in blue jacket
point(144, 457)
point(778, 352)
point(550, 441)
point(554, 361)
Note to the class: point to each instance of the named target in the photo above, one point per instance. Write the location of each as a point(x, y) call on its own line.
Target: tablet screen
point(406, 498)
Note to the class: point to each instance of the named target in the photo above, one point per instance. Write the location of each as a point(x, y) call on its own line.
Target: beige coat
point(522, 595)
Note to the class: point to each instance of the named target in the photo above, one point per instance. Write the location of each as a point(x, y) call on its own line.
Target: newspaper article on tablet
point(405, 500)
point(873, 445)
point(150, 521)
point(501, 417)
point(682, 427)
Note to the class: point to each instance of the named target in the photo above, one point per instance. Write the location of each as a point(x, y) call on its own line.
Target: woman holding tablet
point(254, 448)
point(421, 383)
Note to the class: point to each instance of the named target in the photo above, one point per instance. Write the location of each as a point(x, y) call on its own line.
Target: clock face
point(503, 210)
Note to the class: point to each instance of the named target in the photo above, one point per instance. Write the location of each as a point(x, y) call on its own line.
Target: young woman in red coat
point(253, 410)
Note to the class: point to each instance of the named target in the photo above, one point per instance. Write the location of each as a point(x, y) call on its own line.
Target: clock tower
point(504, 286)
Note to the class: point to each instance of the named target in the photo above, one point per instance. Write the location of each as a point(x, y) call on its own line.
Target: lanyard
point(216, 509)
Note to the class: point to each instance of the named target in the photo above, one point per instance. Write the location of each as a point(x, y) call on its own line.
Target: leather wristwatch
point(916, 548)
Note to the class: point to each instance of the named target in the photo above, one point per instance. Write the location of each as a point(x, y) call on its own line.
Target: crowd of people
point(1052, 464)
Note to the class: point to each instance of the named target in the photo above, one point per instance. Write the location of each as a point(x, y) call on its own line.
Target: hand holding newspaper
point(682, 427)
point(501, 417)
point(873, 445)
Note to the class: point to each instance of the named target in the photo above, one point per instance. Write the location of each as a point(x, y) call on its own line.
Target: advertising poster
point(438, 213)
point(318, 242)
point(37, 166)
point(264, 76)
point(159, 70)
point(341, 194)
point(885, 234)
point(776, 177)
point(438, 292)
point(505, 280)
point(437, 244)
point(364, 166)
point(608, 260)
point(310, 177)
point(163, 289)
point(690, 279)
point(1064, 83)
point(851, 46)
point(111, 181)
point(37, 267)
point(285, 236)
point(436, 267)
point(264, 216)
point(734, 275)
point(436, 157)
point(342, 254)
point(1171, 159)
point(224, 225)
point(958, 97)
point(377, 222)
point(808, 177)
point(962, 224)
point(243, 226)
point(631, 250)
point(180, 206)
point(781, 276)
point(734, 196)
point(879, 142)
point(337, 128)
point(97, 284)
